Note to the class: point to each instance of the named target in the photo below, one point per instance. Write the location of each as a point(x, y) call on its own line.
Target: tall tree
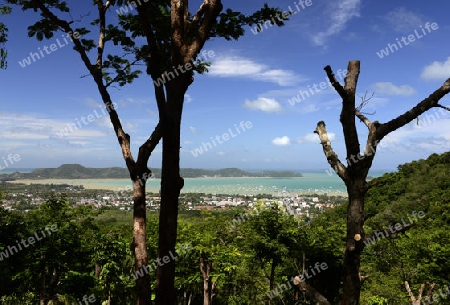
point(174, 37)
point(355, 173)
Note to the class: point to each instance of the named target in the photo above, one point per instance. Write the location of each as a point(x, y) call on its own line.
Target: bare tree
point(355, 173)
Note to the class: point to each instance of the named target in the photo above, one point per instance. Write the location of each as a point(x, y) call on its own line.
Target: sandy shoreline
point(88, 184)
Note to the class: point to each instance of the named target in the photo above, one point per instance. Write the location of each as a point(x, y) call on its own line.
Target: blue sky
point(251, 80)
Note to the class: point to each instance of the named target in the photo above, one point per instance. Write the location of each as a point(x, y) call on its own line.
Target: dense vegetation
point(76, 171)
point(251, 258)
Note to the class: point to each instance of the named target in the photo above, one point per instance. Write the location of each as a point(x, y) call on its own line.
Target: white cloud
point(314, 138)
point(264, 104)
point(221, 153)
point(241, 67)
point(283, 141)
point(130, 126)
point(310, 108)
point(90, 102)
point(430, 134)
point(404, 21)
point(188, 98)
point(389, 88)
point(14, 126)
point(104, 121)
point(340, 13)
point(192, 129)
point(437, 70)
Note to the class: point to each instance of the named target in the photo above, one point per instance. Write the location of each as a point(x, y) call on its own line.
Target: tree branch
point(331, 156)
point(335, 83)
point(101, 38)
point(95, 71)
point(362, 117)
point(311, 293)
point(209, 10)
point(177, 23)
point(154, 62)
point(426, 104)
point(443, 107)
point(411, 295)
point(146, 149)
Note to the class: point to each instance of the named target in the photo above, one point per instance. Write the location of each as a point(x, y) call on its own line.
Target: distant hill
point(77, 171)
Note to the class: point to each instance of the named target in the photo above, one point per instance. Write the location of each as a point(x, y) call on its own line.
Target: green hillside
point(417, 250)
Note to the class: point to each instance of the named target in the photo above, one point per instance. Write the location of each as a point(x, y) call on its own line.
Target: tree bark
point(143, 288)
point(205, 268)
point(430, 290)
point(411, 295)
point(312, 294)
point(354, 247)
point(171, 184)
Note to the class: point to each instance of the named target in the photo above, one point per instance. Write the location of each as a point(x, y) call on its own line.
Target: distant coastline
point(309, 183)
point(76, 171)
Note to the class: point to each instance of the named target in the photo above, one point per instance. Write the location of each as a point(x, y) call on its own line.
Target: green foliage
point(376, 300)
point(420, 254)
point(120, 68)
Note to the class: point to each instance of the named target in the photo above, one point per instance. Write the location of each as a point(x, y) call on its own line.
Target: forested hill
point(416, 251)
point(76, 171)
point(418, 255)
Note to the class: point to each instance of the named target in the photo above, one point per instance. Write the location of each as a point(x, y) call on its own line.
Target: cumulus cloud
point(245, 68)
point(437, 70)
point(283, 141)
point(264, 104)
point(389, 88)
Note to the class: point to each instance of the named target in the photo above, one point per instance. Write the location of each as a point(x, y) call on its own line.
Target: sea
point(310, 183)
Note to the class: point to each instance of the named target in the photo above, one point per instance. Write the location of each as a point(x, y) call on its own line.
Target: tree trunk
point(205, 268)
point(272, 279)
point(109, 294)
point(171, 184)
point(143, 288)
point(355, 246)
point(42, 288)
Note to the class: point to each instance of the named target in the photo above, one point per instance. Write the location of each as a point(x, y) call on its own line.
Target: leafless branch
point(440, 106)
point(364, 101)
point(78, 20)
point(426, 104)
point(334, 82)
point(362, 117)
point(331, 156)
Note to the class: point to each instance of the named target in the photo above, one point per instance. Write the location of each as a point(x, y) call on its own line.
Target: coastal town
point(27, 197)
